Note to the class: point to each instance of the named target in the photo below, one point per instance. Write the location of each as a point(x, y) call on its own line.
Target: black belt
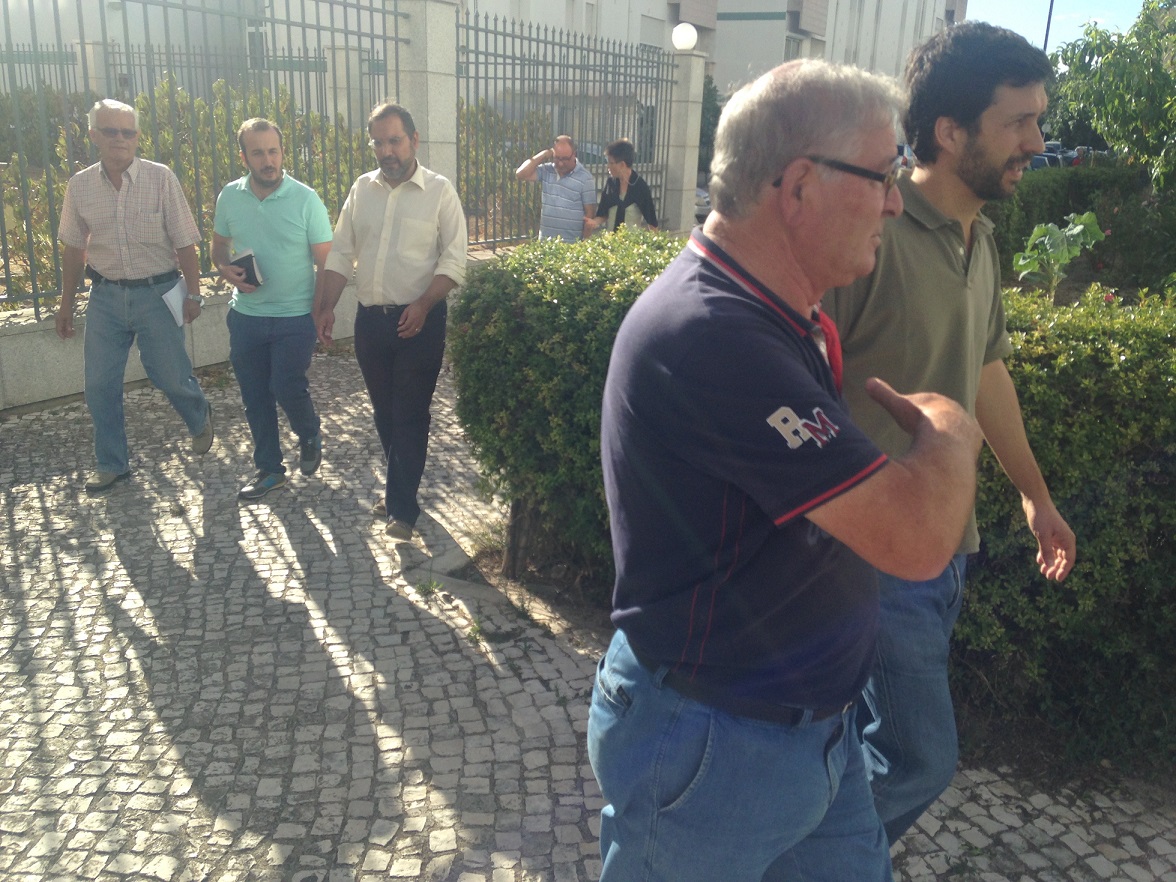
point(739, 707)
point(386, 308)
point(96, 277)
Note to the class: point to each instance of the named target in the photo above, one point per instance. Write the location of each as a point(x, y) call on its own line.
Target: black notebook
point(248, 262)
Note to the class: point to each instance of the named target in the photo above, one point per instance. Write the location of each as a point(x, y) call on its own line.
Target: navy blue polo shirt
point(722, 426)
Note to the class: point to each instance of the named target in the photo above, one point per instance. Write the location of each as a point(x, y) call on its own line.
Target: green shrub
point(1097, 653)
point(1140, 249)
point(530, 341)
point(1046, 196)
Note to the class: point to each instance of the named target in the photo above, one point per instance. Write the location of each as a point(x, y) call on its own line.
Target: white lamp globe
point(684, 36)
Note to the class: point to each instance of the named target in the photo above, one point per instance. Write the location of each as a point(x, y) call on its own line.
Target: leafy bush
point(1050, 250)
point(1046, 196)
point(1097, 653)
point(530, 341)
point(1140, 250)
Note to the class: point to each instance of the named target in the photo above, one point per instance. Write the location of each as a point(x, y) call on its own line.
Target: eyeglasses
point(114, 133)
point(886, 179)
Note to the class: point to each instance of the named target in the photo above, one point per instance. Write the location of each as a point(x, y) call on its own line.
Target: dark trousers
point(400, 375)
point(271, 356)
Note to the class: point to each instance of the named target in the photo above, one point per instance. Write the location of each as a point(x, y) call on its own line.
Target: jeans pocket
point(685, 757)
point(609, 695)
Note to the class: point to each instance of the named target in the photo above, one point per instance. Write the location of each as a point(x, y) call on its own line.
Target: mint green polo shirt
point(927, 319)
point(280, 229)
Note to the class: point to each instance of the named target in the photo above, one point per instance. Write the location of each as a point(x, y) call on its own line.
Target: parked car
point(702, 205)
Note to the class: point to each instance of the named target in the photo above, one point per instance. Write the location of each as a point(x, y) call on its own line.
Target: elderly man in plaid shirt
point(125, 222)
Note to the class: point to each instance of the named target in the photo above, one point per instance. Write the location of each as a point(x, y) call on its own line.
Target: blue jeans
point(116, 317)
point(697, 795)
point(906, 712)
point(400, 375)
point(271, 356)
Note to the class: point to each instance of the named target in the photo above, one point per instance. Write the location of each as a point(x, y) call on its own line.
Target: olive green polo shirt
point(927, 319)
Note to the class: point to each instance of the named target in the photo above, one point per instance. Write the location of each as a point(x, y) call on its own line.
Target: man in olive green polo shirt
point(930, 319)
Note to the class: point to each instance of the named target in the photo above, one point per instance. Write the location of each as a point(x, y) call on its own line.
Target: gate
point(520, 85)
point(195, 69)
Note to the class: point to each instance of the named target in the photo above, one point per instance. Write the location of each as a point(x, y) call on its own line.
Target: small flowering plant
point(1050, 249)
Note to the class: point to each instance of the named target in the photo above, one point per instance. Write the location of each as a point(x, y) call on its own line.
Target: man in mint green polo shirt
point(271, 332)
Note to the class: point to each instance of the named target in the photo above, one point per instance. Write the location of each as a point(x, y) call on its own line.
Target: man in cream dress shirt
point(402, 233)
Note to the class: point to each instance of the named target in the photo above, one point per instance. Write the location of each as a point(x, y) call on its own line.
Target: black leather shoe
point(312, 454)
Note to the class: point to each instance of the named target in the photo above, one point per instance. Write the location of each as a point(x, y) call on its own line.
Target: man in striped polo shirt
point(569, 191)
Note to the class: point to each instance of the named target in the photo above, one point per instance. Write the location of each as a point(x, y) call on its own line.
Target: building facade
point(752, 36)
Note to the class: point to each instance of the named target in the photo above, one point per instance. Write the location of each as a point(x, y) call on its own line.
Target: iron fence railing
point(195, 69)
point(520, 85)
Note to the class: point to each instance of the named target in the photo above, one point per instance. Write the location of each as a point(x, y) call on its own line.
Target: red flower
point(1109, 298)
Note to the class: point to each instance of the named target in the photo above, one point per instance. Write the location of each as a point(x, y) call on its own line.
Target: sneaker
point(312, 454)
point(398, 530)
point(380, 510)
point(202, 443)
point(261, 485)
point(100, 482)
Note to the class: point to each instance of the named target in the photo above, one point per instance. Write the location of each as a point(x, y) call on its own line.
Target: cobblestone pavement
point(192, 688)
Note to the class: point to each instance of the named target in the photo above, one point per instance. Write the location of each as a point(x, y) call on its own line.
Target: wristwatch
point(196, 298)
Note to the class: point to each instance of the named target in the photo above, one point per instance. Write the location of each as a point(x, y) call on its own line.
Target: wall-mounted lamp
point(684, 36)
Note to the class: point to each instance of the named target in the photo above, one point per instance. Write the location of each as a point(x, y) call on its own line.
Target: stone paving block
point(257, 693)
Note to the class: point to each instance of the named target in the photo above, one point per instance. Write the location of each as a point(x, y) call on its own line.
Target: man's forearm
point(73, 263)
point(190, 267)
point(998, 411)
point(526, 171)
point(437, 291)
point(328, 288)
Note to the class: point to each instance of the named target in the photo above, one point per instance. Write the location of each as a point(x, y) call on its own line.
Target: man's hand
point(412, 319)
point(909, 410)
point(65, 319)
point(1056, 545)
point(235, 276)
point(324, 325)
point(191, 310)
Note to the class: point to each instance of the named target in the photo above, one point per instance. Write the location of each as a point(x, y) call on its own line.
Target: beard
point(395, 169)
point(986, 178)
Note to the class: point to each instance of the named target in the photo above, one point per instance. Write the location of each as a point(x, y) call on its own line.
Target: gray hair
point(802, 107)
point(110, 104)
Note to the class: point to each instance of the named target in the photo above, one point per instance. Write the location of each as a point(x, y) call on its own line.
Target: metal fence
point(195, 69)
point(520, 85)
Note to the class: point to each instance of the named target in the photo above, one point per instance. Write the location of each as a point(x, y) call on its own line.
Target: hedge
point(1097, 653)
point(531, 336)
point(530, 339)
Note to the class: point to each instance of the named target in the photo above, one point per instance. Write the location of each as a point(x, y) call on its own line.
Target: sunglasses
point(114, 133)
point(886, 179)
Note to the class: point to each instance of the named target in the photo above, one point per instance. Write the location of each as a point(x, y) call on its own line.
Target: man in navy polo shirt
point(747, 509)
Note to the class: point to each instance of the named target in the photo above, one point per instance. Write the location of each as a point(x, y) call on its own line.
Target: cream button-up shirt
point(396, 239)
